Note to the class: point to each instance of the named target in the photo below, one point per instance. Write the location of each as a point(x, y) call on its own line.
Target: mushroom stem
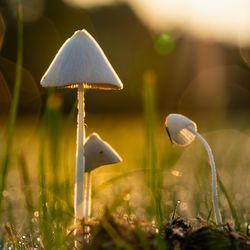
point(88, 195)
point(214, 176)
point(80, 160)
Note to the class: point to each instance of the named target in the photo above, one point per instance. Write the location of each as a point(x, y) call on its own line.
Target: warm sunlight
point(88, 3)
point(224, 20)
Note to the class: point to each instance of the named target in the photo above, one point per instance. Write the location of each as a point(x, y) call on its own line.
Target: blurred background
point(194, 54)
point(198, 51)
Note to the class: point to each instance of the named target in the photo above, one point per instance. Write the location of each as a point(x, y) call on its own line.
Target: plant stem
point(230, 204)
point(214, 177)
point(26, 186)
point(88, 195)
point(154, 179)
point(80, 160)
point(43, 213)
point(15, 101)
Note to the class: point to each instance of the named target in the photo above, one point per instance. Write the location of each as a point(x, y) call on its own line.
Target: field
point(38, 199)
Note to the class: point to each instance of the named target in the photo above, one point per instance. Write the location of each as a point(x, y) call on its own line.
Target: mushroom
point(80, 63)
point(182, 131)
point(97, 154)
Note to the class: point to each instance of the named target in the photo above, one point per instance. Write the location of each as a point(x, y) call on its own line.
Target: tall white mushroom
point(97, 153)
point(80, 63)
point(182, 131)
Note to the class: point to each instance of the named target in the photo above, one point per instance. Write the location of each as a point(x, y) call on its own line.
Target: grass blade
point(154, 179)
point(14, 104)
point(26, 187)
point(231, 206)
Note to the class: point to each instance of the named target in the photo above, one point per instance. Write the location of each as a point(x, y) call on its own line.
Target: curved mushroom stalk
point(182, 131)
point(81, 63)
point(97, 153)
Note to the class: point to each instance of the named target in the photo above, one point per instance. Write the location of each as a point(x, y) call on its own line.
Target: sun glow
point(88, 3)
point(225, 20)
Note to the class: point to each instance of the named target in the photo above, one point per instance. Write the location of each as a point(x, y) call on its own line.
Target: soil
point(113, 233)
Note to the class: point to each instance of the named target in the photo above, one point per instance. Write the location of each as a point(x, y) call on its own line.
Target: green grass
point(14, 105)
point(154, 175)
point(49, 213)
point(126, 189)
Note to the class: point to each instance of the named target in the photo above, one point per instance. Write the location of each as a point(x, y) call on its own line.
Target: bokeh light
point(164, 44)
point(89, 3)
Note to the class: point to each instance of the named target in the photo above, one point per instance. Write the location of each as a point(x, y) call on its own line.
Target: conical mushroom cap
point(178, 128)
point(98, 153)
point(81, 60)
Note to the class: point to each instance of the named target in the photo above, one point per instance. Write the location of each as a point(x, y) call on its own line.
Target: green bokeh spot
point(164, 44)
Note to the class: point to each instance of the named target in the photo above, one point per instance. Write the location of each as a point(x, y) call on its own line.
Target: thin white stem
point(214, 177)
point(80, 160)
point(88, 195)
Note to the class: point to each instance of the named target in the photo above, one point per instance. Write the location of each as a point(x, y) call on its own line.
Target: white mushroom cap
point(98, 153)
point(179, 129)
point(81, 60)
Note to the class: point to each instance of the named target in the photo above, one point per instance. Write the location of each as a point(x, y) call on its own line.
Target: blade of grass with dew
point(14, 103)
point(154, 179)
point(43, 212)
point(174, 213)
point(231, 206)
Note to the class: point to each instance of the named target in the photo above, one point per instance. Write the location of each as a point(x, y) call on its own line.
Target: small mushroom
point(182, 131)
point(97, 153)
point(178, 128)
point(80, 63)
